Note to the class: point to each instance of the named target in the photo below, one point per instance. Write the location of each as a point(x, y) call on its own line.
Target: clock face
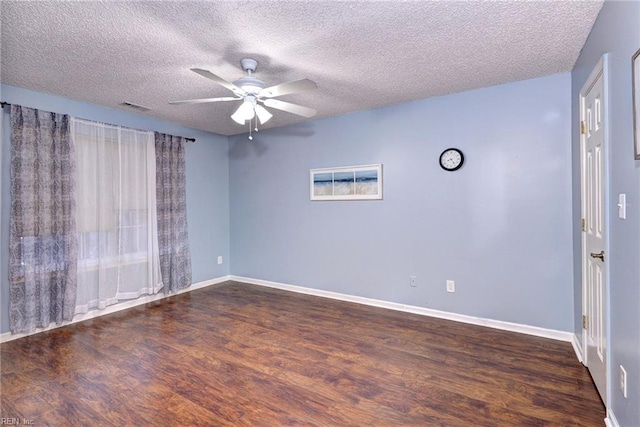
point(451, 159)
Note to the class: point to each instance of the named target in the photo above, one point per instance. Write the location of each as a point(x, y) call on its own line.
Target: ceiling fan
point(254, 92)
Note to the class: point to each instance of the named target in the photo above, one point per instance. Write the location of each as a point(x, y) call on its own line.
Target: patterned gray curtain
point(171, 202)
point(42, 237)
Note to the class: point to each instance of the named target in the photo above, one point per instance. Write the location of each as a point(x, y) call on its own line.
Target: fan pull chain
point(255, 116)
point(255, 128)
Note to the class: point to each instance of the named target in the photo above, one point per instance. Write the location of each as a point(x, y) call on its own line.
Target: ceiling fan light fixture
point(238, 118)
point(245, 111)
point(263, 115)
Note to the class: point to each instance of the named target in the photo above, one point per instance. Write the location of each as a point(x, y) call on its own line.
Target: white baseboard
point(577, 347)
point(611, 421)
point(496, 324)
point(8, 336)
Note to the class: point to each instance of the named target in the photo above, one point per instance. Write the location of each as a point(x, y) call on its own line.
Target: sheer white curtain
point(116, 214)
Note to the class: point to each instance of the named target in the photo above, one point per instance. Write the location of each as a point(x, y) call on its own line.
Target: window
point(116, 214)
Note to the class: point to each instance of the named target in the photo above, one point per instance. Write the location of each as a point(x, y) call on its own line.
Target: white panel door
point(593, 127)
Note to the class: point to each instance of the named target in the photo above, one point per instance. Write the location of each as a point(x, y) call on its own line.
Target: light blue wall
point(207, 182)
point(500, 226)
point(616, 32)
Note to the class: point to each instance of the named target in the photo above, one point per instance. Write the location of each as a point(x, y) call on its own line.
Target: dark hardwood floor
point(237, 354)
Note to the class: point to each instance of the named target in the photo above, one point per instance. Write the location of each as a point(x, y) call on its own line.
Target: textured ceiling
point(361, 54)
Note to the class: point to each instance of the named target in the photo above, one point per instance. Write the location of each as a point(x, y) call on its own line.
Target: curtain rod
point(7, 104)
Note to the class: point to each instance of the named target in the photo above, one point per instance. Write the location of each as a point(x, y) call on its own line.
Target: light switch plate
point(622, 206)
point(623, 381)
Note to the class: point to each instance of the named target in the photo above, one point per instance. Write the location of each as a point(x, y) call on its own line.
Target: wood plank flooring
point(242, 355)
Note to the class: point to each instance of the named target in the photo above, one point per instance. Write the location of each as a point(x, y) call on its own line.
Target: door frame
point(601, 68)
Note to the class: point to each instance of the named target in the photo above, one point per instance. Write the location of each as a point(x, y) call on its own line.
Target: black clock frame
point(457, 167)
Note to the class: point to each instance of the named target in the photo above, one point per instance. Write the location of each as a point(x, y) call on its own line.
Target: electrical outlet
point(220, 260)
point(412, 281)
point(623, 381)
point(451, 286)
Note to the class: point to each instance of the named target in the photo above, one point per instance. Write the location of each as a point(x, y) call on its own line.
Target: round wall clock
point(451, 159)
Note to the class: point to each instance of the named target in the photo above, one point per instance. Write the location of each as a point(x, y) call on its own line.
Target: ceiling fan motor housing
point(250, 84)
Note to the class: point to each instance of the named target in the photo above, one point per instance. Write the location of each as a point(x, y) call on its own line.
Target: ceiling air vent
point(136, 107)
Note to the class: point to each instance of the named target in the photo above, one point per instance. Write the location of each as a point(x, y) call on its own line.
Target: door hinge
point(584, 224)
point(584, 321)
point(583, 127)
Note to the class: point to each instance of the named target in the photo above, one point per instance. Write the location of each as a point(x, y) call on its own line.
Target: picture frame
point(635, 91)
point(362, 182)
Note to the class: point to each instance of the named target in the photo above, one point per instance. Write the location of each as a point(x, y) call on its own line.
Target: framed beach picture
point(635, 88)
point(362, 182)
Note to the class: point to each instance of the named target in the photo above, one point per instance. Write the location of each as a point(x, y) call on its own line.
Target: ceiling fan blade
point(290, 108)
point(222, 82)
point(287, 88)
point(205, 100)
